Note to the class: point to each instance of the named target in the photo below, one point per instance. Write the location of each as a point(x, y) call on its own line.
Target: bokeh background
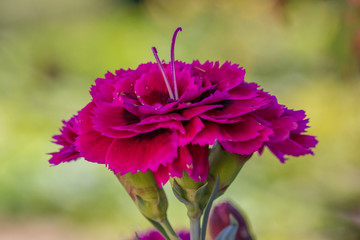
point(305, 52)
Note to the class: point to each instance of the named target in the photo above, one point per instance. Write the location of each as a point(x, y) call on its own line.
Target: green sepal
point(200, 194)
point(226, 165)
point(179, 193)
point(150, 200)
point(192, 193)
point(137, 236)
point(146, 194)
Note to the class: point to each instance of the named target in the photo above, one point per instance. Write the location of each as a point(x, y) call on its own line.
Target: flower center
point(172, 62)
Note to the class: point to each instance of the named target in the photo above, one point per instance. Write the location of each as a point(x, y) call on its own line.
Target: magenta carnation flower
point(163, 117)
point(154, 235)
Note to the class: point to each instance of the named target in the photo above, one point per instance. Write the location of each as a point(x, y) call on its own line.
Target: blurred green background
point(305, 52)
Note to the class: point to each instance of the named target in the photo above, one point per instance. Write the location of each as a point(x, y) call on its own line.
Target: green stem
point(169, 230)
point(195, 228)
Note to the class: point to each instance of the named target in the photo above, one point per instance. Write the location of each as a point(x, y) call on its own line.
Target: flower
point(163, 117)
point(154, 235)
point(220, 219)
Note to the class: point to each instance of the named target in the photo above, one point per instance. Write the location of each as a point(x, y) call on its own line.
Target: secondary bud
point(147, 195)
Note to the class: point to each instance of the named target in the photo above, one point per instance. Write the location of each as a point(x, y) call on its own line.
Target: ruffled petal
point(93, 146)
point(142, 152)
point(109, 120)
point(236, 108)
point(162, 118)
point(229, 76)
point(191, 158)
point(125, 81)
point(192, 128)
point(174, 125)
point(302, 126)
point(296, 145)
point(282, 128)
point(225, 77)
point(67, 138)
point(306, 141)
point(293, 148)
point(199, 168)
point(196, 111)
point(154, 235)
point(175, 168)
point(84, 118)
point(247, 147)
point(103, 89)
point(135, 107)
point(222, 120)
point(241, 131)
point(244, 91)
point(150, 88)
point(161, 175)
point(188, 86)
point(66, 154)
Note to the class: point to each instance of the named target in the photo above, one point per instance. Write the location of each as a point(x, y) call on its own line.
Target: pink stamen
point(173, 62)
point(163, 73)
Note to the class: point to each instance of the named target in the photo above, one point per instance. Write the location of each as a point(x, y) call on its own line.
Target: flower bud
point(220, 219)
point(150, 200)
point(190, 192)
point(225, 165)
point(147, 195)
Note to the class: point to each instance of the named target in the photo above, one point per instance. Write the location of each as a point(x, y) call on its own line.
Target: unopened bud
point(147, 195)
point(190, 192)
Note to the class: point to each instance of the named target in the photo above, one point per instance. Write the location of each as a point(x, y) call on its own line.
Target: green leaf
point(159, 228)
point(228, 233)
point(208, 208)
